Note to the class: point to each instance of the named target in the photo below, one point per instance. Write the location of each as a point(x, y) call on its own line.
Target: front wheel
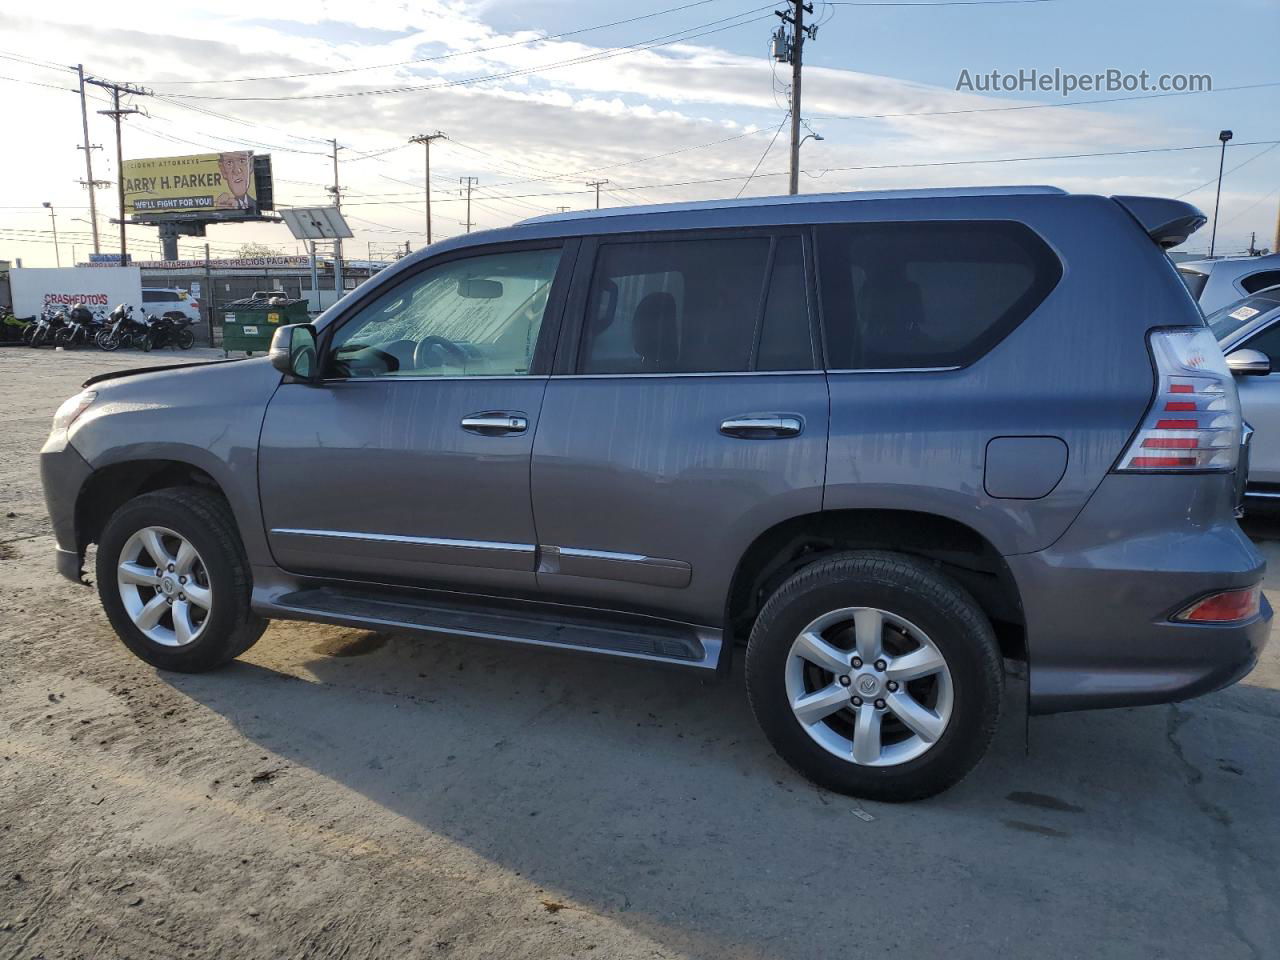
point(106, 341)
point(174, 581)
point(874, 674)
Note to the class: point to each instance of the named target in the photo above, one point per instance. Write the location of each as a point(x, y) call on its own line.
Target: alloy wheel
point(164, 586)
point(869, 686)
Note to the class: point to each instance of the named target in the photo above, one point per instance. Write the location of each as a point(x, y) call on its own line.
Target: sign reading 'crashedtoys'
point(36, 290)
point(203, 182)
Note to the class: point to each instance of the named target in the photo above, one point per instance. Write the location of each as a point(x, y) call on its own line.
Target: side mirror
point(1248, 363)
point(293, 351)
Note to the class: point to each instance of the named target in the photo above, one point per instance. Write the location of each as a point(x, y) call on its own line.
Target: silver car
point(1248, 331)
point(1219, 283)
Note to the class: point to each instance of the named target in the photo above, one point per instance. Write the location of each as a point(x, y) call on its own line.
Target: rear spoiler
point(1167, 222)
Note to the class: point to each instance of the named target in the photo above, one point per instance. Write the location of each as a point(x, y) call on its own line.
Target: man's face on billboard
point(235, 172)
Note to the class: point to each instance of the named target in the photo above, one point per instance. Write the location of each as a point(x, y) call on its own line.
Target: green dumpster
point(249, 324)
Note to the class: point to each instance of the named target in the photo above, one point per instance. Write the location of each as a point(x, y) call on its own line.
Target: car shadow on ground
point(654, 799)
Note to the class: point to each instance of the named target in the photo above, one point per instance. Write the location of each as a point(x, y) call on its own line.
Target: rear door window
point(1260, 281)
point(705, 305)
point(927, 294)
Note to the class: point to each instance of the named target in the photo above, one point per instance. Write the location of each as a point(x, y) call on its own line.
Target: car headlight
point(71, 409)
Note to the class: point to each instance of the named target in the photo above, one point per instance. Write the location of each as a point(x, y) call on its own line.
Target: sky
point(539, 97)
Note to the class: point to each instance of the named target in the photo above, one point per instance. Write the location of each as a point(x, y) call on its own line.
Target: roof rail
point(849, 196)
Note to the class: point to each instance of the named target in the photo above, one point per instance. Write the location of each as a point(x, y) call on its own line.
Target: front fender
point(208, 416)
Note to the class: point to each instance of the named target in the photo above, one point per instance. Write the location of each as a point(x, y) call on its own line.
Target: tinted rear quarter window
point(927, 294)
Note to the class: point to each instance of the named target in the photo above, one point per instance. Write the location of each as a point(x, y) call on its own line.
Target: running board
point(633, 638)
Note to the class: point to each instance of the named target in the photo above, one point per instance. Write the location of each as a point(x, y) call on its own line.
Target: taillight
point(1225, 607)
point(1194, 421)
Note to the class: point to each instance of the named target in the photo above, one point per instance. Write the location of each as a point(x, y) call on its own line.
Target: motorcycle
point(123, 330)
point(171, 331)
point(82, 327)
point(45, 329)
point(11, 327)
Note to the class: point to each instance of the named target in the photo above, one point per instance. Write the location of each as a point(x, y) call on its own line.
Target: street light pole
point(57, 257)
point(1224, 136)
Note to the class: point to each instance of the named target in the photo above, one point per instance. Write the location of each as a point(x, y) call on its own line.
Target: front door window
point(478, 317)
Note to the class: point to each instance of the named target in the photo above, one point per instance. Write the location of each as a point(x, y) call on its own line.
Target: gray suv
point(885, 441)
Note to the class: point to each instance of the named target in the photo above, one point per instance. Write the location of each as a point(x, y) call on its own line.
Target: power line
point(882, 166)
point(930, 3)
point(1209, 183)
point(763, 155)
point(449, 56)
point(638, 47)
point(1042, 106)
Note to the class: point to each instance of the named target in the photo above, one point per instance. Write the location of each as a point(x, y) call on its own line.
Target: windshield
point(1234, 316)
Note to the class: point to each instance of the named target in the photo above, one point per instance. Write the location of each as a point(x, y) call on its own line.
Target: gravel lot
point(344, 794)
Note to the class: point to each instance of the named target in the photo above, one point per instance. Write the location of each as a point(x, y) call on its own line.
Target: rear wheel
point(174, 581)
point(186, 339)
point(876, 675)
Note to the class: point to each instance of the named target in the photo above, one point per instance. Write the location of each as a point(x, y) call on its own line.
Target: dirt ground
point(337, 794)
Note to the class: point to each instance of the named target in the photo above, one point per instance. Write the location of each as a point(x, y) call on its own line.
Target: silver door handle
point(761, 427)
point(495, 423)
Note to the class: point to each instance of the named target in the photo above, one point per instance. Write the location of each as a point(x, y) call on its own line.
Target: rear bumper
point(1098, 602)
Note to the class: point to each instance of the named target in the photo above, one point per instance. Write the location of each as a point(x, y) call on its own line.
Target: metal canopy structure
point(316, 223)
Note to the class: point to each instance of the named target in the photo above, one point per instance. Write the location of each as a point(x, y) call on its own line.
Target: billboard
point(35, 290)
point(222, 185)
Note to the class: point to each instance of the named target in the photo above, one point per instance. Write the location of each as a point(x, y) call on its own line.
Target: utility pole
point(597, 184)
point(470, 182)
point(425, 139)
point(789, 48)
point(336, 190)
point(117, 114)
point(1275, 244)
point(88, 149)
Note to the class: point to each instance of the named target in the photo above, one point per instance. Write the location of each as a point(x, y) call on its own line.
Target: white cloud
point(599, 116)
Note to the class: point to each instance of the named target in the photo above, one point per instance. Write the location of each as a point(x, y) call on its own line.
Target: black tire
point(204, 519)
point(106, 341)
point(186, 339)
point(917, 592)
